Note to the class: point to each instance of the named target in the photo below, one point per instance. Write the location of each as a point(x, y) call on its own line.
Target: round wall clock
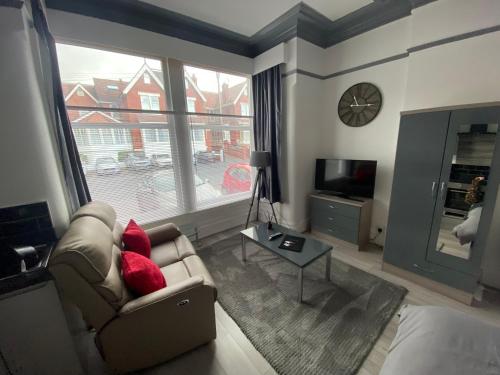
point(360, 104)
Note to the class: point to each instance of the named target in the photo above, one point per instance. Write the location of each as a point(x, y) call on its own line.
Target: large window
point(135, 156)
point(220, 142)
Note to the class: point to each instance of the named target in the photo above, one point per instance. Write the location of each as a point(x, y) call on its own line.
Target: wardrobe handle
point(433, 189)
point(422, 268)
point(443, 185)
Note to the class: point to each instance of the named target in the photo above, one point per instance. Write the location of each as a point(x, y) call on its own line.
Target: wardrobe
point(446, 177)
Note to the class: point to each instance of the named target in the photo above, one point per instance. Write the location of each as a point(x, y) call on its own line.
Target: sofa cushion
point(99, 210)
point(173, 251)
point(438, 340)
point(141, 275)
point(196, 267)
point(135, 239)
point(117, 235)
point(163, 233)
point(175, 273)
point(87, 247)
point(188, 267)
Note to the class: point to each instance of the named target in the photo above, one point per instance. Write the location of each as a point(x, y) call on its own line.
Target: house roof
point(195, 86)
point(109, 90)
point(233, 93)
point(88, 89)
point(98, 113)
point(145, 68)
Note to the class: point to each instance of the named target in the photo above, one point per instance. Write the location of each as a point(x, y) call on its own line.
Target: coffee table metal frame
point(328, 255)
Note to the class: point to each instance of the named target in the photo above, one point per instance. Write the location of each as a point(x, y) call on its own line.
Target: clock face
point(360, 104)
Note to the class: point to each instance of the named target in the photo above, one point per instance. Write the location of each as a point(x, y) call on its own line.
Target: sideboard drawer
point(348, 235)
point(341, 218)
point(333, 209)
point(327, 219)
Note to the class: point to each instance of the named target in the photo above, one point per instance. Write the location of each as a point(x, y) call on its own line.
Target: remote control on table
point(275, 235)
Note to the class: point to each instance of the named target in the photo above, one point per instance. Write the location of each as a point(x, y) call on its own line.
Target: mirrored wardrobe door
point(461, 195)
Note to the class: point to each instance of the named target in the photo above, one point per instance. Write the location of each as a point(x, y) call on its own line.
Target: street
point(121, 190)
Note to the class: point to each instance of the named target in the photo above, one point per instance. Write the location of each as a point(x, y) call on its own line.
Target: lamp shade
point(260, 159)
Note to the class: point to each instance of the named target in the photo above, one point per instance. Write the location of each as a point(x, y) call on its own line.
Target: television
point(346, 178)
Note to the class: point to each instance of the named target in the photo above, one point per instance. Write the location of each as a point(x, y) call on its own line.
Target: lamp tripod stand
point(261, 176)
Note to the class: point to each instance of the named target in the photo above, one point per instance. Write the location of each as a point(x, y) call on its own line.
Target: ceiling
point(247, 17)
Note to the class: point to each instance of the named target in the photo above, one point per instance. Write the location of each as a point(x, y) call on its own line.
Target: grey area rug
point(331, 332)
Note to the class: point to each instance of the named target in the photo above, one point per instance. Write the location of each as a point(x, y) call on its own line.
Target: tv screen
point(353, 178)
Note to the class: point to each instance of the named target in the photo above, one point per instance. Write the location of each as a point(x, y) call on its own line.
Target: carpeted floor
point(331, 332)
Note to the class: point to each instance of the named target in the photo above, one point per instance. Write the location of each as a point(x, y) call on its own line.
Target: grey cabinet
point(342, 219)
point(421, 142)
point(436, 228)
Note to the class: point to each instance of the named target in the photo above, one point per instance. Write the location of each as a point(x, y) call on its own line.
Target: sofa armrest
point(154, 328)
point(163, 233)
point(160, 295)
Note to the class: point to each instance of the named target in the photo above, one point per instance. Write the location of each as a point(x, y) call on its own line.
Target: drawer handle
point(330, 230)
point(422, 268)
point(331, 206)
point(183, 302)
point(330, 218)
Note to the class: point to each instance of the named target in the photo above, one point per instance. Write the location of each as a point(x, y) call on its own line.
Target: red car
point(237, 179)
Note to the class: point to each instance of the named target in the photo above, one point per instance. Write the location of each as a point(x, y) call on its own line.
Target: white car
point(158, 190)
point(106, 166)
point(162, 160)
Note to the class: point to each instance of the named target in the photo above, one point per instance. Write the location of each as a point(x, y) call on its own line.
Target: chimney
point(225, 91)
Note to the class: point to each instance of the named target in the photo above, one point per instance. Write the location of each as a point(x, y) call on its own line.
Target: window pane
point(145, 104)
point(216, 92)
point(191, 104)
point(155, 102)
point(221, 162)
point(127, 167)
point(97, 78)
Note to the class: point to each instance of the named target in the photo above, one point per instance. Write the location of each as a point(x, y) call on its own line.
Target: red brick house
point(145, 91)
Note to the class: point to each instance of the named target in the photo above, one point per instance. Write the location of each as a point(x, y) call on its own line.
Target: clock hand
point(361, 105)
point(356, 101)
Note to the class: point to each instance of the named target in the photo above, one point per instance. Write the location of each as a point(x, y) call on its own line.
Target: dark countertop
point(34, 275)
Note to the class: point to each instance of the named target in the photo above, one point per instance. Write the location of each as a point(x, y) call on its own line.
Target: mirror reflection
point(466, 189)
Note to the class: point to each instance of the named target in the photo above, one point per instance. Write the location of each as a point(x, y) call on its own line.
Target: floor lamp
point(260, 160)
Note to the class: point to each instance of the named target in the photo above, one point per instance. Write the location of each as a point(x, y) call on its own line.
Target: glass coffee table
point(312, 249)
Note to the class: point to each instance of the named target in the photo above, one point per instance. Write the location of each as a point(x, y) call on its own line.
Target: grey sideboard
point(341, 220)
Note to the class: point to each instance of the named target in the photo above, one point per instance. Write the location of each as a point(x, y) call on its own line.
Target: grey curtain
point(267, 101)
point(73, 172)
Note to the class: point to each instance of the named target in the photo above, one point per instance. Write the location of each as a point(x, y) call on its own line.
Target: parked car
point(161, 160)
point(137, 161)
point(158, 190)
point(207, 156)
point(237, 179)
point(106, 165)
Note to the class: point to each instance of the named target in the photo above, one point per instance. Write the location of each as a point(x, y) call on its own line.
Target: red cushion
point(135, 239)
point(140, 274)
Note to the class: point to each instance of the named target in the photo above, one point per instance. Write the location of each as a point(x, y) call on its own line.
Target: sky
point(81, 64)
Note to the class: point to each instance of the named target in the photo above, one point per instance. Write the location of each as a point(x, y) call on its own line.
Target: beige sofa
point(134, 333)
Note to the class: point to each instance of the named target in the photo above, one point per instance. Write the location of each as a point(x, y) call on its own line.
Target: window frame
point(174, 138)
point(149, 96)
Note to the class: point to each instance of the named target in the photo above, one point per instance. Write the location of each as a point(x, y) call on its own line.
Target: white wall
point(28, 164)
point(375, 141)
point(464, 72)
point(75, 28)
point(447, 18)
point(388, 40)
